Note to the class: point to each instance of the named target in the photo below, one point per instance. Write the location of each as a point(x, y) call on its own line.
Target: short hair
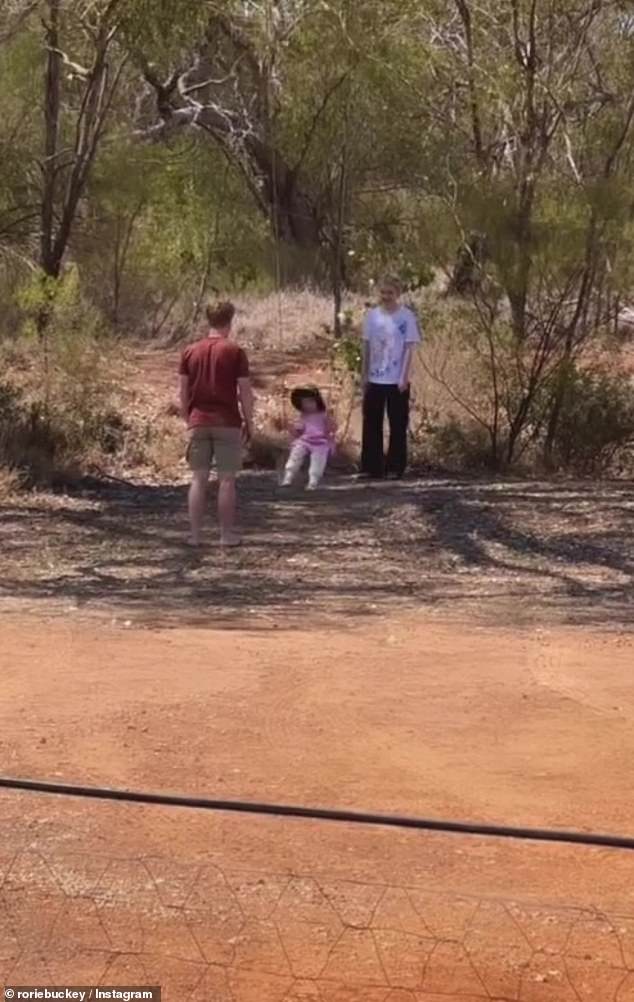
point(220, 314)
point(391, 282)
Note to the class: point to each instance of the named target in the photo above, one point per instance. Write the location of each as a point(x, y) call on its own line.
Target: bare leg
point(227, 510)
point(197, 504)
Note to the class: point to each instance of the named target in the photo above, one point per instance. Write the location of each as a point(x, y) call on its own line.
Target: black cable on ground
point(319, 814)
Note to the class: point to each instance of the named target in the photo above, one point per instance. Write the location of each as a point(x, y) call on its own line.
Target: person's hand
point(403, 387)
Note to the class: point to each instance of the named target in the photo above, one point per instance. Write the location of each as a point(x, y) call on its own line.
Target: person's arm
point(297, 428)
point(412, 339)
point(365, 364)
point(245, 395)
point(365, 353)
point(403, 382)
point(183, 396)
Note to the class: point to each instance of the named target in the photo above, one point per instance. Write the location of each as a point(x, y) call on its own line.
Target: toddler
point(313, 436)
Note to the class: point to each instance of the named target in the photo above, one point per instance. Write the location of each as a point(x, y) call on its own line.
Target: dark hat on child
point(301, 393)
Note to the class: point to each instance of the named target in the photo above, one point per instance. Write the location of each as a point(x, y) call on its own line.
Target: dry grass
point(294, 320)
point(442, 373)
point(153, 446)
point(290, 341)
point(10, 483)
point(290, 320)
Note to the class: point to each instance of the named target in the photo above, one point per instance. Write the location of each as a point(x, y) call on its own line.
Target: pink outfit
point(315, 432)
point(314, 438)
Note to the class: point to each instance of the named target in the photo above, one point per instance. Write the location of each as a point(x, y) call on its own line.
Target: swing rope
point(275, 199)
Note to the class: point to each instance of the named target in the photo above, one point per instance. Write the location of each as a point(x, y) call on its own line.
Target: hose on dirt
point(320, 814)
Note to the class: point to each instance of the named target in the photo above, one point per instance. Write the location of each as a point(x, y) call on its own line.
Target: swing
point(285, 389)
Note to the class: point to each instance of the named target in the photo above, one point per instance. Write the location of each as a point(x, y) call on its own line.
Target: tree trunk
point(63, 184)
point(296, 215)
point(338, 263)
point(559, 398)
point(52, 103)
point(467, 273)
point(123, 238)
point(203, 285)
point(293, 211)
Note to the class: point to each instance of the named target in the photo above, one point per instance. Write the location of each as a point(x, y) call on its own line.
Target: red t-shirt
point(213, 367)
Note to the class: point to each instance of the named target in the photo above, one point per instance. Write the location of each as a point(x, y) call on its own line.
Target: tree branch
point(330, 93)
point(476, 122)
point(24, 11)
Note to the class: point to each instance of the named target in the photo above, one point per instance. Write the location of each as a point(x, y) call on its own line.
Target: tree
point(176, 147)
point(77, 101)
point(269, 83)
point(16, 13)
point(228, 87)
point(538, 94)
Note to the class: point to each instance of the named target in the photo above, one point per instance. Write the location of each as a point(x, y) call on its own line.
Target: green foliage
point(347, 353)
point(168, 225)
point(596, 426)
point(67, 411)
point(457, 445)
point(384, 134)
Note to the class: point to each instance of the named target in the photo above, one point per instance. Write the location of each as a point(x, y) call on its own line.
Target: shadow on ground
point(514, 552)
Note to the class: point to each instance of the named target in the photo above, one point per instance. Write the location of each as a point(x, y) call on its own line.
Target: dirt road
point(403, 714)
point(442, 648)
point(529, 727)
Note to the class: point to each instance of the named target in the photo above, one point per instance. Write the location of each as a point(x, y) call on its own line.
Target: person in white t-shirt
point(390, 334)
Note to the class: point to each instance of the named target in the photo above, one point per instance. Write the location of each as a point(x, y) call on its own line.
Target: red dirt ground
point(403, 714)
point(440, 647)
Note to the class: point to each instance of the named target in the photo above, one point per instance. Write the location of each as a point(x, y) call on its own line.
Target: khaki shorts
point(222, 444)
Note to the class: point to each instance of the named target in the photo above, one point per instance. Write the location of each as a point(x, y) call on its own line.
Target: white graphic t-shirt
point(387, 335)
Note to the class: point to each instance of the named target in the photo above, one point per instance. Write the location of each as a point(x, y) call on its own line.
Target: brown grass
point(286, 320)
point(10, 483)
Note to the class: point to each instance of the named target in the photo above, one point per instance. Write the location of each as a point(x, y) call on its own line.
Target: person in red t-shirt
point(216, 401)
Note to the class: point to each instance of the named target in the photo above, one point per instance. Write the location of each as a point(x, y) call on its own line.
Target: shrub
point(450, 443)
point(10, 483)
point(475, 380)
point(60, 410)
point(596, 424)
point(347, 351)
point(28, 444)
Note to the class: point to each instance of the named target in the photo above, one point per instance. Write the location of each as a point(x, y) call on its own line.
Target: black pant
point(373, 460)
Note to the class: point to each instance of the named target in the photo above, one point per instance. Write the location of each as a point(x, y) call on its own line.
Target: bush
point(596, 424)
point(450, 443)
point(28, 444)
point(59, 411)
point(347, 354)
point(473, 381)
